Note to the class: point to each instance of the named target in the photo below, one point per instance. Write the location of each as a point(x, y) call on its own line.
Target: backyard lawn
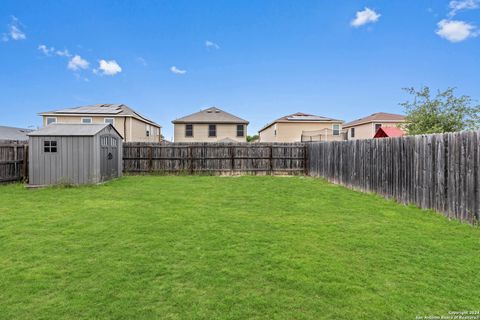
point(229, 247)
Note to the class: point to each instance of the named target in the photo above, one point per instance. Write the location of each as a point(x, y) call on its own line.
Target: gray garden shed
point(74, 154)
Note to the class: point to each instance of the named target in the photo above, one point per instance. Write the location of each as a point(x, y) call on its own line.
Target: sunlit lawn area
point(229, 247)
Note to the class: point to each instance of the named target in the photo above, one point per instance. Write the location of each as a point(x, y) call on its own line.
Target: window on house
point(51, 120)
point(49, 146)
point(275, 132)
point(147, 130)
point(189, 130)
point(377, 126)
point(86, 120)
point(240, 130)
point(212, 130)
point(109, 121)
point(336, 129)
point(352, 132)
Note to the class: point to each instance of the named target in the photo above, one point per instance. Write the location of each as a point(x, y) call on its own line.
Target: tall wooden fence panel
point(13, 160)
point(261, 158)
point(439, 172)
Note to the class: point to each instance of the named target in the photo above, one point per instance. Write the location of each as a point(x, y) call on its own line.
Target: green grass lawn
point(231, 248)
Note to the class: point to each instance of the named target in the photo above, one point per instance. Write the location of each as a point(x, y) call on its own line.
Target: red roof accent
point(389, 132)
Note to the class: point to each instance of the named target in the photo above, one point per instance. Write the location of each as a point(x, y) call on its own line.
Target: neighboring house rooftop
point(389, 132)
point(301, 117)
point(11, 133)
point(376, 117)
point(210, 115)
point(111, 110)
point(72, 129)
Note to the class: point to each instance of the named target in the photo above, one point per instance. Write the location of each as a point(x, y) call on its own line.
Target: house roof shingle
point(376, 117)
point(300, 117)
point(101, 109)
point(210, 115)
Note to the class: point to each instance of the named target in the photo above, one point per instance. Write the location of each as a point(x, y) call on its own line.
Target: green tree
point(252, 138)
point(443, 112)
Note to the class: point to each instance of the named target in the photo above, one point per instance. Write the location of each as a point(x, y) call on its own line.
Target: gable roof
point(210, 115)
point(111, 110)
point(11, 133)
point(376, 117)
point(389, 132)
point(301, 117)
point(72, 129)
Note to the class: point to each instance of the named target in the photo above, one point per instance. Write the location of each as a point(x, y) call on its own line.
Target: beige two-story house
point(304, 127)
point(210, 125)
point(365, 128)
point(131, 125)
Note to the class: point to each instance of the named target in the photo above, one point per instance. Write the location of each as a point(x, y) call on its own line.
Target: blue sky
point(257, 59)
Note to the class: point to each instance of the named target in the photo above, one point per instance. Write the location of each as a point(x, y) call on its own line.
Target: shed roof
point(389, 132)
point(100, 109)
point(11, 133)
point(301, 117)
point(72, 129)
point(210, 115)
point(376, 117)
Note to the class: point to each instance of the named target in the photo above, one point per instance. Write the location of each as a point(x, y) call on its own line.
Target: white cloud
point(46, 50)
point(15, 31)
point(63, 53)
point(456, 31)
point(459, 5)
point(363, 17)
point(177, 71)
point(77, 63)
point(142, 61)
point(211, 45)
point(108, 68)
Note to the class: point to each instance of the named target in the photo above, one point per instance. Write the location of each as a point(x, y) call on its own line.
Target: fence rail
point(13, 160)
point(215, 157)
point(439, 172)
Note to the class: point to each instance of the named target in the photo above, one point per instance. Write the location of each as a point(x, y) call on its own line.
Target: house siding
point(131, 129)
point(200, 132)
point(292, 132)
point(367, 130)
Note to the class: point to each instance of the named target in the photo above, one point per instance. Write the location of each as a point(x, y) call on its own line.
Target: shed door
point(108, 157)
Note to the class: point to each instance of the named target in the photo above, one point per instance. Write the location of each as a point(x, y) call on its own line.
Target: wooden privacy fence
point(439, 172)
point(258, 158)
point(13, 160)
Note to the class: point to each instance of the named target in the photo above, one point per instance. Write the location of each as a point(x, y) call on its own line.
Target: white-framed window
point(86, 120)
point(51, 120)
point(50, 146)
point(240, 130)
point(189, 130)
point(336, 129)
point(148, 130)
point(212, 130)
point(352, 132)
point(109, 121)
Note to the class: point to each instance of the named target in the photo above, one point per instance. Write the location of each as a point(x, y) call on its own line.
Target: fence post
point(271, 159)
point(150, 160)
point(25, 162)
point(305, 158)
point(15, 159)
point(232, 155)
point(190, 159)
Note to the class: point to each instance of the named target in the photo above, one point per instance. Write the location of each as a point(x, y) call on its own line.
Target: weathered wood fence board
point(13, 159)
point(215, 157)
point(439, 172)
